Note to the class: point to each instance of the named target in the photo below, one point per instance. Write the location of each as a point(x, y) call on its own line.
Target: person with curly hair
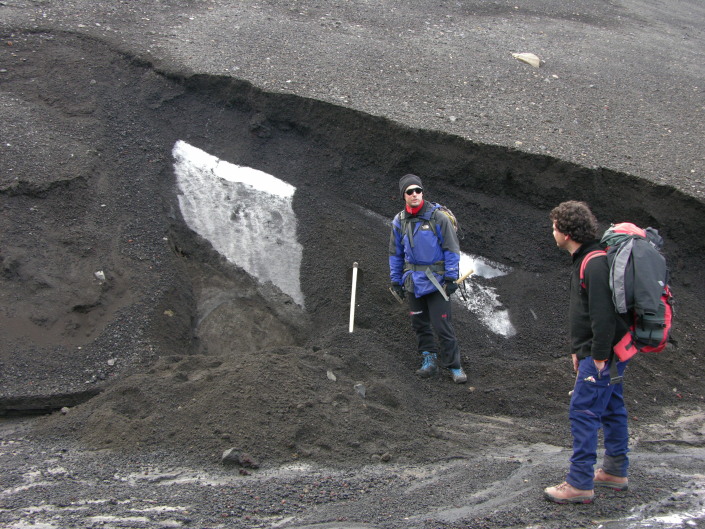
point(595, 327)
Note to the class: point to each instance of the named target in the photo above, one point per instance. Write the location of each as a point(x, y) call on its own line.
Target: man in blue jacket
point(424, 254)
point(595, 327)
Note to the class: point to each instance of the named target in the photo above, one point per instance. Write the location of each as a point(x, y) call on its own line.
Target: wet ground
point(57, 484)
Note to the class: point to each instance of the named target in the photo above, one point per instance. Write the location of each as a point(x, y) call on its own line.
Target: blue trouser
point(430, 312)
point(596, 404)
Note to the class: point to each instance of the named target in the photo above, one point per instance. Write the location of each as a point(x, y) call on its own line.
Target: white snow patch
point(244, 213)
point(32, 525)
point(119, 519)
point(483, 300)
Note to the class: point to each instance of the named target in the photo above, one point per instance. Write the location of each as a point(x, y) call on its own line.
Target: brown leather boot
point(603, 479)
point(567, 493)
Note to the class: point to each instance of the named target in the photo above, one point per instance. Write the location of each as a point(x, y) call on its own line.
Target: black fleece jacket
point(595, 325)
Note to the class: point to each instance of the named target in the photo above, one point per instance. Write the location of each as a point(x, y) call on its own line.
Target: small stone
point(232, 456)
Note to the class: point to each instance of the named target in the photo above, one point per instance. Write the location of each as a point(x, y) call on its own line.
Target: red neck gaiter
point(414, 211)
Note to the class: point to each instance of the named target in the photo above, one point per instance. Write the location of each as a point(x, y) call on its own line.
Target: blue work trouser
point(430, 312)
point(594, 404)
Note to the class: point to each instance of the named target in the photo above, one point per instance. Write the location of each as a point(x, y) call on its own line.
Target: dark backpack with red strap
point(639, 284)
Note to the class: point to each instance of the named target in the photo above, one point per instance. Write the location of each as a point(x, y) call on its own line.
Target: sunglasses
point(414, 190)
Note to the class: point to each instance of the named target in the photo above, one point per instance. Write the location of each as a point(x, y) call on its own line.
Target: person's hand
point(399, 290)
point(576, 362)
point(451, 287)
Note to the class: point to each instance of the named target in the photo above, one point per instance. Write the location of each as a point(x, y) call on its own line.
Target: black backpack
point(640, 286)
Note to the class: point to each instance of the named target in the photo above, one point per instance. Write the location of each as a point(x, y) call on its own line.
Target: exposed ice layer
point(483, 300)
point(244, 213)
point(482, 266)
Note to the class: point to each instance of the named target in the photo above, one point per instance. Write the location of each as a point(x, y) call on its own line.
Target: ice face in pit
point(247, 216)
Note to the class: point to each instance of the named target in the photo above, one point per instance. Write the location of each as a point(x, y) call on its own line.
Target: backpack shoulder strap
point(432, 219)
point(407, 223)
point(401, 217)
point(585, 262)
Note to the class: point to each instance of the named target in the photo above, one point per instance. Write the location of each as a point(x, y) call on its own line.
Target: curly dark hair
point(575, 219)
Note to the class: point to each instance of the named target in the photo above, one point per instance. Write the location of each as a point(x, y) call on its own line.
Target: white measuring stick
point(352, 296)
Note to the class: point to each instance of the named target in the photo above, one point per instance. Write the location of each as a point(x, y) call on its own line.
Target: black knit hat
point(407, 180)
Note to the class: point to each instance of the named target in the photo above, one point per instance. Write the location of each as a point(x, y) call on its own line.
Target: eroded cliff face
point(108, 288)
point(163, 351)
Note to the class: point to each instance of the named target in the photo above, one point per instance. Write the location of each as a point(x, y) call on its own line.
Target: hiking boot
point(567, 493)
point(603, 479)
point(429, 367)
point(459, 376)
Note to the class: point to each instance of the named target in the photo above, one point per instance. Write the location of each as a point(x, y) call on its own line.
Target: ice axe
point(461, 284)
point(396, 296)
point(458, 281)
point(465, 276)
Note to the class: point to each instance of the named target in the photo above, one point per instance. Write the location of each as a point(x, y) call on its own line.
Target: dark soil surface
point(104, 289)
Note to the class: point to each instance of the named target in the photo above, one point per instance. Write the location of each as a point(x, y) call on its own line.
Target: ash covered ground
point(174, 354)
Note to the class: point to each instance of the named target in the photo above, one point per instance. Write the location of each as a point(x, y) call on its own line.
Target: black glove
point(451, 286)
point(399, 290)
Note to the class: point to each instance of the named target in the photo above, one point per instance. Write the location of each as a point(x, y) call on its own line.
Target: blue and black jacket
point(419, 242)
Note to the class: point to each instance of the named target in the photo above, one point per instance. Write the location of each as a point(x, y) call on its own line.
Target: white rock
point(528, 58)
